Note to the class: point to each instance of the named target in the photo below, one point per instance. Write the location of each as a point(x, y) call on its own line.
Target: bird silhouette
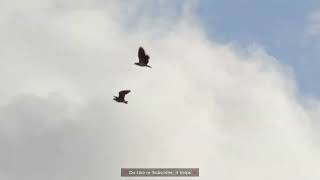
point(121, 96)
point(143, 58)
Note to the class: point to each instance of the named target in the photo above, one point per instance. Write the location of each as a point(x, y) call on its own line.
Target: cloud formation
point(233, 112)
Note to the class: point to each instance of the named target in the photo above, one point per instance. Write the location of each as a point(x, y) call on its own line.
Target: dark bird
point(121, 96)
point(143, 58)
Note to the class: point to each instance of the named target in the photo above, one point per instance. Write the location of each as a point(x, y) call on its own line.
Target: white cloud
point(235, 113)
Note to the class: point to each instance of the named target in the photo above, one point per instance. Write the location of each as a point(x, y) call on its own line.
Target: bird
point(143, 58)
point(121, 96)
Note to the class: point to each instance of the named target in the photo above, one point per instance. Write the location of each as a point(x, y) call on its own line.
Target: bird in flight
point(121, 96)
point(143, 58)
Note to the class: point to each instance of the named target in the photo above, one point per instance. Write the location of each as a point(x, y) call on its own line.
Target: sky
point(226, 103)
point(281, 27)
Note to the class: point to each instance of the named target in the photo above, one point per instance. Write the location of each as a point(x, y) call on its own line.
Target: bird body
point(121, 97)
point(143, 58)
point(142, 65)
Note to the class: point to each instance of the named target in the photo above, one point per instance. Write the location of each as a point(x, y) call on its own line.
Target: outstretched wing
point(143, 57)
point(141, 53)
point(123, 93)
point(146, 59)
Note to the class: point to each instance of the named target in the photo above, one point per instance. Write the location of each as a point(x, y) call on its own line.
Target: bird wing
point(141, 52)
point(146, 59)
point(123, 93)
point(143, 58)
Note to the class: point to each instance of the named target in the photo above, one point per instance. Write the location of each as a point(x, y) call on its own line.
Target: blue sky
point(277, 25)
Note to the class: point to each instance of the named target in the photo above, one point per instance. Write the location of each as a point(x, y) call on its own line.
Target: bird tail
point(126, 102)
